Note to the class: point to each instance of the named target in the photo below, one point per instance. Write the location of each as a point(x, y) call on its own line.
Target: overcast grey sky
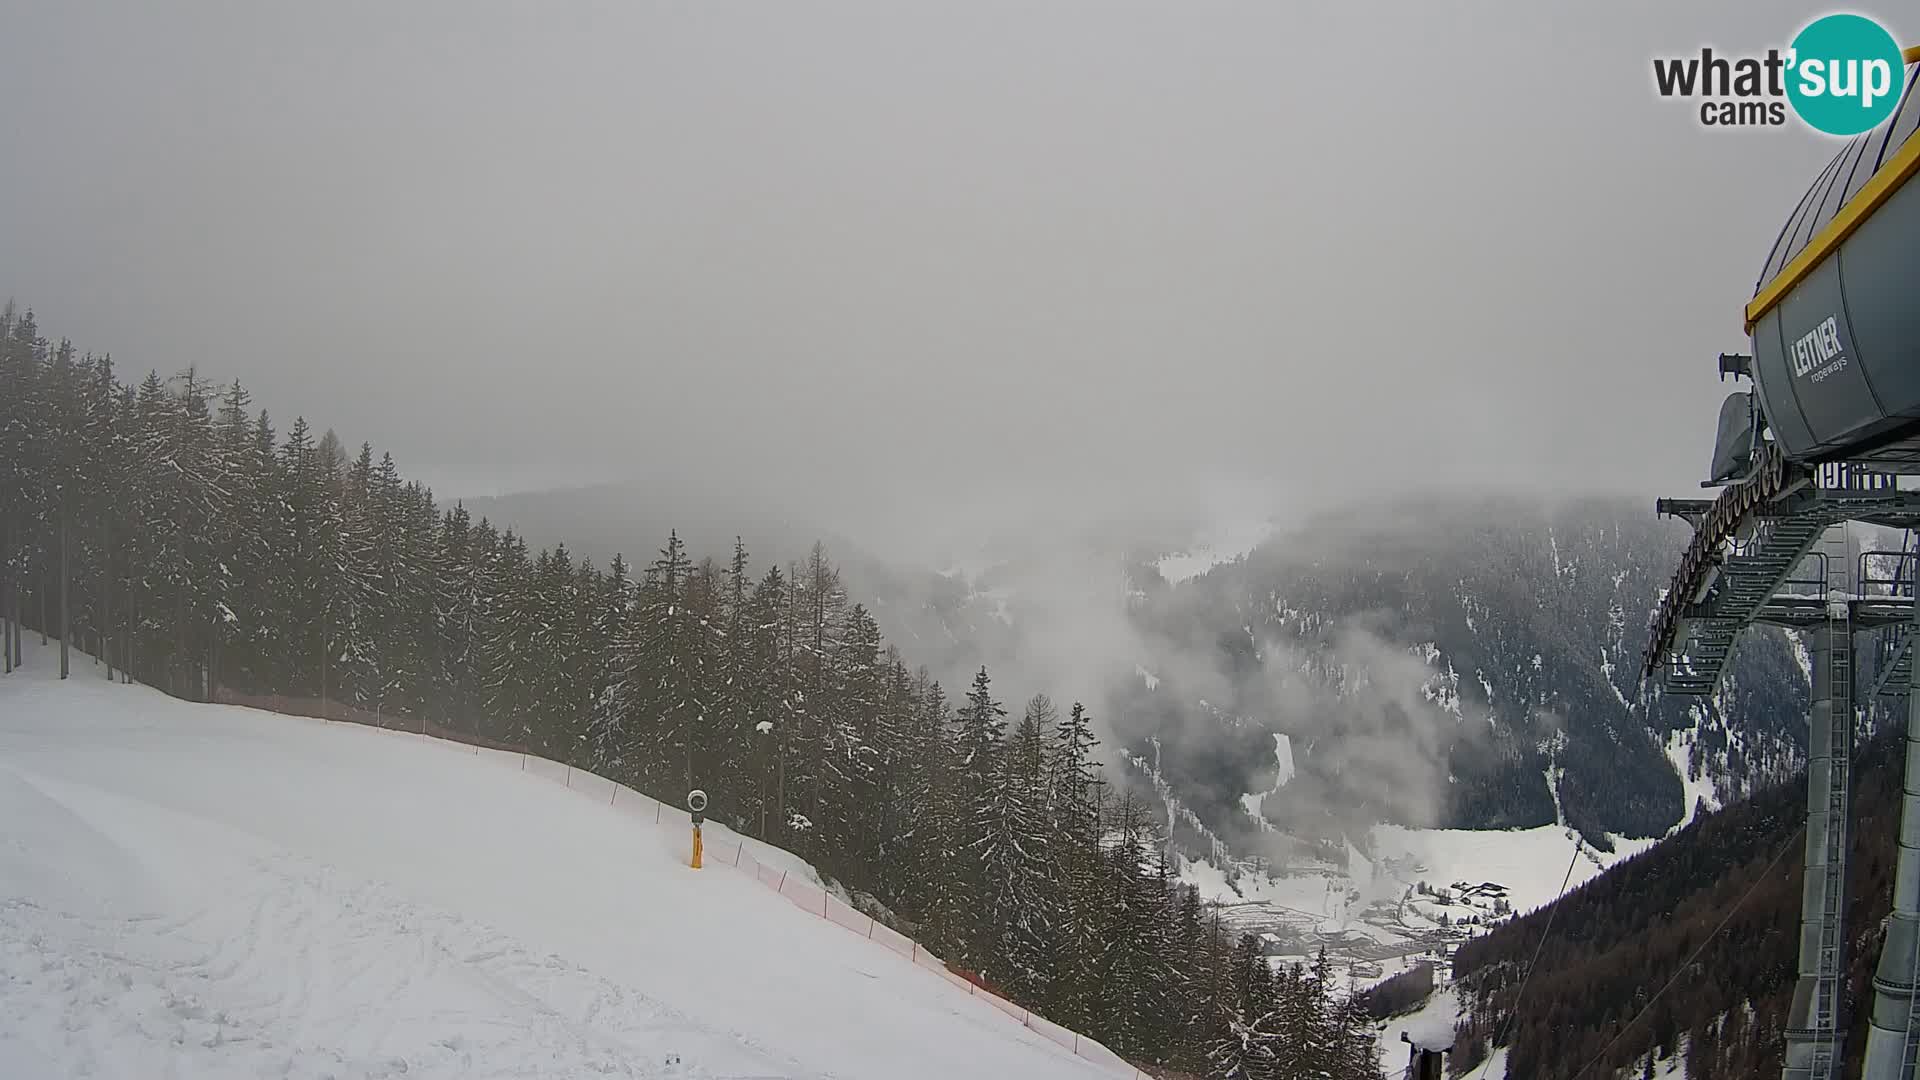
point(1089, 249)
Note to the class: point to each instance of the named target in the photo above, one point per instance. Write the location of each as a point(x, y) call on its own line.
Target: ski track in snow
point(193, 891)
point(271, 965)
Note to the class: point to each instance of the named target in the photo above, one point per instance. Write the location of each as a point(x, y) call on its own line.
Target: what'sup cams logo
point(1842, 75)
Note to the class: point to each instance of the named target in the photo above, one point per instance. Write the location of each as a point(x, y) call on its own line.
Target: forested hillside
point(933, 618)
point(187, 542)
point(1617, 939)
point(1484, 652)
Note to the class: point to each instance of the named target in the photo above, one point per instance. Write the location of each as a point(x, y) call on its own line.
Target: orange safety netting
point(803, 894)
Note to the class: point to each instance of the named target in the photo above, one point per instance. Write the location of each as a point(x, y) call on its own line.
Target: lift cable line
point(1823, 438)
point(1687, 964)
point(1553, 909)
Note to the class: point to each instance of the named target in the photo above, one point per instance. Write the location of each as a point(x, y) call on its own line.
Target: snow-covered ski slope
point(205, 891)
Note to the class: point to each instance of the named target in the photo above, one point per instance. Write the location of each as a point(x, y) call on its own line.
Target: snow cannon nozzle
point(696, 804)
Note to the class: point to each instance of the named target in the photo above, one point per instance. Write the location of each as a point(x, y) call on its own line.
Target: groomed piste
point(209, 891)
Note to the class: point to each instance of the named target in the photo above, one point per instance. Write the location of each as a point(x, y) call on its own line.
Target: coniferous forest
point(1726, 887)
point(165, 531)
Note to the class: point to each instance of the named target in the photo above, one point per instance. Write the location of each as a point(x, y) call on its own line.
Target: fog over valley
point(1130, 526)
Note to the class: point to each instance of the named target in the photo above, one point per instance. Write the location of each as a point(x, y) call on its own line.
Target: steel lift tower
point(1824, 437)
point(1791, 562)
point(1894, 1033)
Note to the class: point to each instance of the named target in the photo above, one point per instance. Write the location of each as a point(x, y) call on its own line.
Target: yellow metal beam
point(1893, 174)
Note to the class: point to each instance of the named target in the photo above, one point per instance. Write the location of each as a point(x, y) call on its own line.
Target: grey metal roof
point(1843, 177)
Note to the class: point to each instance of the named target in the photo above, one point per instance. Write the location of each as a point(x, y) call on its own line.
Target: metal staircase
point(1746, 578)
point(1893, 652)
point(1815, 1022)
point(1839, 755)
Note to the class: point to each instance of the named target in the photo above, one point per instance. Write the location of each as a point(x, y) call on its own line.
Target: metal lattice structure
point(1784, 561)
point(1894, 1031)
point(1830, 426)
point(1741, 567)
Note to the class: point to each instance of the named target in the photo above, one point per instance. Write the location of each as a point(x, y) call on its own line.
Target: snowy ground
point(1315, 897)
point(199, 891)
point(1694, 790)
point(1430, 1026)
point(1217, 546)
point(1667, 1068)
point(1529, 863)
point(1415, 895)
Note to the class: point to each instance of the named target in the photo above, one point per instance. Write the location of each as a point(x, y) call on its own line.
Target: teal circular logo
point(1845, 74)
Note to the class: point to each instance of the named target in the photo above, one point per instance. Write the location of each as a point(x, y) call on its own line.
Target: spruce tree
point(466, 549)
point(616, 678)
point(502, 650)
point(773, 700)
point(668, 712)
point(980, 800)
point(822, 744)
point(1029, 907)
point(941, 896)
point(1073, 806)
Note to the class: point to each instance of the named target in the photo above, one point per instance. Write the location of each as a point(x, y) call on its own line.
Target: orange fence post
point(696, 845)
